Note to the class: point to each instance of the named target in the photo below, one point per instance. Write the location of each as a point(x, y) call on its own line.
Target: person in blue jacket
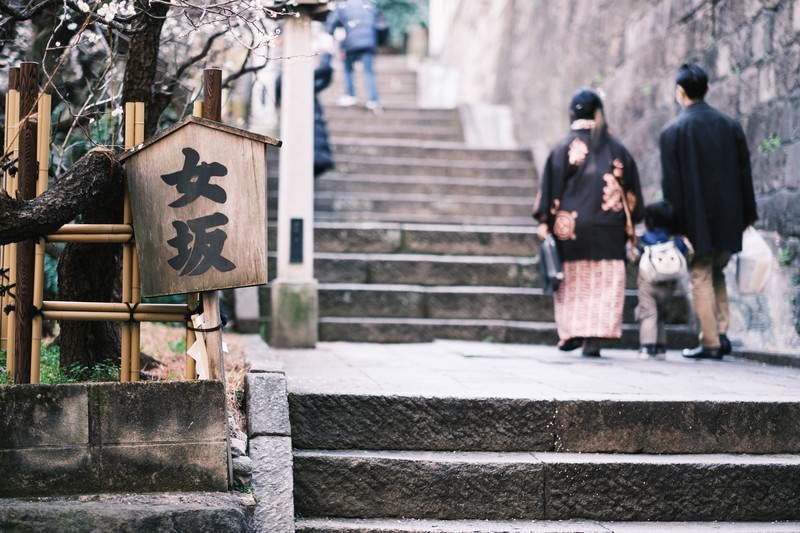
point(360, 20)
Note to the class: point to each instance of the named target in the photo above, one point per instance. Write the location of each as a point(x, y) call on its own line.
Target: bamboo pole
point(95, 316)
point(87, 229)
point(43, 157)
point(125, 363)
point(114, 307)
point(136, 290)
point(114, 238)
point(3, 248)
point(136, 294)
point(11, 188)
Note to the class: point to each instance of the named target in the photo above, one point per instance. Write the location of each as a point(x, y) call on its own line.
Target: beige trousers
point(710, 296)
point(650, 311)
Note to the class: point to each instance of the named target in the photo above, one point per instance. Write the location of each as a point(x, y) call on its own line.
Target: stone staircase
point(418, 236)
point(385, 463)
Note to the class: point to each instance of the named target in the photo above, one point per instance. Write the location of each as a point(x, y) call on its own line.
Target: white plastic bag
point(753, 263)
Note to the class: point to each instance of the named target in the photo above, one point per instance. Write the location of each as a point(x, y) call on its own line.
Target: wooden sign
point(198, 198)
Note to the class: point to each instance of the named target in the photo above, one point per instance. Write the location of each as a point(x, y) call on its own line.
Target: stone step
point(418, 218)
point(457, 302)
point(392, 148)
point(391, 237)
point(385, 525)
point(400, 114)
point(422, 269)
point(450, 133)
point(399, 330)
point(552, 486)
point(423, 204)
point(392, 100)
point(429, 185)
point(365, 422)
point(410, 166)
point(179, 511)
point(413, 208)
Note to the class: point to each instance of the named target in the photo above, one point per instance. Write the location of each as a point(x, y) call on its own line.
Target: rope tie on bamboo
point(131, 311)
point(187, 316)
point(6, 289)
point(10, 307)
point(223, 322)
point(4, 272)
point(35, 311)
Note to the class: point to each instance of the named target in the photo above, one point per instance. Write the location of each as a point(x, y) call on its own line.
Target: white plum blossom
point(83, 6)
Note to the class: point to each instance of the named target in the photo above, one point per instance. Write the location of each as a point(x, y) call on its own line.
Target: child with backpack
point(662, 266)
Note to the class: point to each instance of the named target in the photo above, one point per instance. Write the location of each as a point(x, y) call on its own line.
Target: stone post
point(295, 306)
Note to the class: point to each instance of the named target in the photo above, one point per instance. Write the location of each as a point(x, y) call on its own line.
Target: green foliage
point(51, 274)
point(785, 256)
point(770, 144)
point(402, 15)
point(3, 368)
point(178, 346)
point(52, 373)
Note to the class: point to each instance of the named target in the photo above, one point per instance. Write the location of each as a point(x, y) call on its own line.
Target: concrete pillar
point(294, 292)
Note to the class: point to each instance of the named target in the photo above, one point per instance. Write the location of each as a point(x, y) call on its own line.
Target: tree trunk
point(91, 272)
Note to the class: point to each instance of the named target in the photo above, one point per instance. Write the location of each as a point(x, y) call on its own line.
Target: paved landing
point(484, 370)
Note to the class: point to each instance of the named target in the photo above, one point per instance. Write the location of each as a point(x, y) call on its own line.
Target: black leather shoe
point(724, 345)
point(661, 349)
point(570, 344)
point(591, 348)
point(703, 352)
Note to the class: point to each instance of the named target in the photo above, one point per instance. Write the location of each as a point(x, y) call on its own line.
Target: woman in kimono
point(587, 177)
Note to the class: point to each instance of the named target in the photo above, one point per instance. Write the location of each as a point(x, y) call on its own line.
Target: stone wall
point(533, 54)
point(112, 437)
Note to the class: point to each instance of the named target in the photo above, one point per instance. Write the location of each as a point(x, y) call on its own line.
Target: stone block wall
point(112, 437)
point(533, 54)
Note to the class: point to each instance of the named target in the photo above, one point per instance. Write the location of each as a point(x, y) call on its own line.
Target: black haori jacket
point(706, 178)
point(580, 198)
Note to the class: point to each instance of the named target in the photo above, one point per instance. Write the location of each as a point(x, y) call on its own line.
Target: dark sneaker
point(725, 347)
point(703, 352)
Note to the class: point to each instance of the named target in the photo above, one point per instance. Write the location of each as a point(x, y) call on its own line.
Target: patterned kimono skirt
point(590, 299)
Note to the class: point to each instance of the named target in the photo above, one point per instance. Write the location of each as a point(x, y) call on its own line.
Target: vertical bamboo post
point(125, 364)
point(11, 188)
point(192, 300)
point(43, 138)
point(4, 249)
point(26, 190)
point(136, 290)
point(212, 110)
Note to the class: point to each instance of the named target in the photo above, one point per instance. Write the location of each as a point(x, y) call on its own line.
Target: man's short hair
point(693, 79)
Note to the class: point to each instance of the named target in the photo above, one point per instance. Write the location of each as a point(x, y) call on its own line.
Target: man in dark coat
point(706, 177)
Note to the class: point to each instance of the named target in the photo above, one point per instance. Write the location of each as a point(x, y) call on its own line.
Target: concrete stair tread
point(483, 322)
point(422, 218)
point(434, 258)
point(443, 145)
point(418, 198)
point(441, 227)
point(430, 162)
point(386, 525)
point(439, 289)
point(558, 457)
point(440, 180)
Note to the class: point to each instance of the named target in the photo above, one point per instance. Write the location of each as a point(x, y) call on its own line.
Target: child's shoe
point(650, 352)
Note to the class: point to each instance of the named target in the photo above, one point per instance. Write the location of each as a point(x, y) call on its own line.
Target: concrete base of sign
point(295, 314)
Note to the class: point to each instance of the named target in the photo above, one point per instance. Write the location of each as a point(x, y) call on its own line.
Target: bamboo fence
point(130, 311)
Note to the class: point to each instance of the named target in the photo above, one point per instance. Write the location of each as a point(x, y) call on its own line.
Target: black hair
point(660, 215)
point(693, 79)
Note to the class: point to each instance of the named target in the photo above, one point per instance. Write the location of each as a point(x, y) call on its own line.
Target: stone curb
point(270, 447)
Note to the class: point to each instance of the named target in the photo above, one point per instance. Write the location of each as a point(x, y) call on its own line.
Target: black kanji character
point(206, 250)
point(193, 181)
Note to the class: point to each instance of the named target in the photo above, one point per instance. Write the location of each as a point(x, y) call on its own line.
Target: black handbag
point(551, 272)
